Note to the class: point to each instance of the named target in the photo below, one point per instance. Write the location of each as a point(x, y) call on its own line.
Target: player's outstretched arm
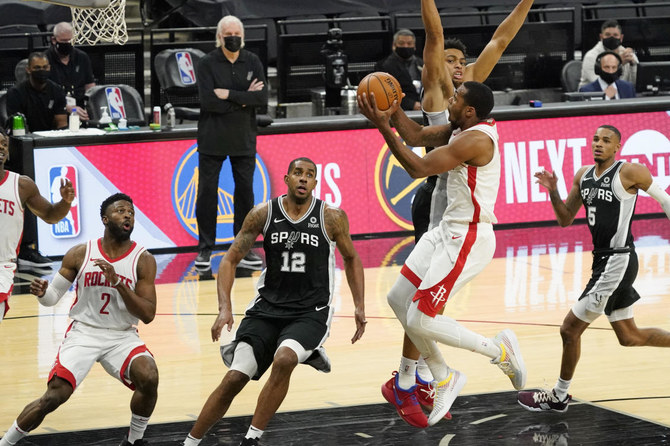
point(565, 211)
point(48, 294)
point(49, 212)
point(636, 176)
point(244, 241)
point(337, 225)
point(502, 37)
point(437, 84)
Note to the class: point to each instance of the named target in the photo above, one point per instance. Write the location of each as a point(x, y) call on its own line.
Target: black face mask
point(609, 78)
point(404, 52)
point(64, 48)
point(39, 76)
point(232, 43)
point(611, 43)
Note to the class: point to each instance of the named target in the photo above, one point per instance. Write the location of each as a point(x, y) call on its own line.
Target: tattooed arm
point(337, 225)
point(244, 241)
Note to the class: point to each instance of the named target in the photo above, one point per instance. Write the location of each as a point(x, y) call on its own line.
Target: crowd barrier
point(355, 169)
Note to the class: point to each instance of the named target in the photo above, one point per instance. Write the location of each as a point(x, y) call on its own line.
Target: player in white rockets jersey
point(16, 193)
point(453, 253)
point(114, 289)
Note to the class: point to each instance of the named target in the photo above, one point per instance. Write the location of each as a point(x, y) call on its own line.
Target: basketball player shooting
point(114, 280)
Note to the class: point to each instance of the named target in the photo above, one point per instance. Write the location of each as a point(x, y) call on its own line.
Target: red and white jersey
point(11, 216)
point(96, 302)
point(472, 190)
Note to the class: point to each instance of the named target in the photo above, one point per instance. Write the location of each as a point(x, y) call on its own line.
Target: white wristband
point(118, 281)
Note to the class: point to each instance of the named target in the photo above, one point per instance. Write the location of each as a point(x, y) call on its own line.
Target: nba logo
point(115, 102)
point(69, 226)
point(186, 71)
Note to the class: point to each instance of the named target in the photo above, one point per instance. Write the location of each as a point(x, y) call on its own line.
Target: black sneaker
point(543, 400)
point(250, 442)
point(251, 261)
point(140, 442)
point(319, 360)
point(33, 258)
point(203, 259)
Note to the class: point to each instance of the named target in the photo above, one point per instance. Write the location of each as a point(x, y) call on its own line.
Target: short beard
point(118, 233)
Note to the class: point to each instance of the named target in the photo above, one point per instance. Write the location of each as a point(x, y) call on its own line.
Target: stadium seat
point(570, 75)
point(121, 101)
point(3, 110)
point(615, 9)
point(463, 16)
point(20, 71)
point(176, 73)
point(23, 37)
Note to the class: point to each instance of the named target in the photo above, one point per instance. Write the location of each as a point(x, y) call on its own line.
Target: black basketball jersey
point(609, 208)
point(300, 260)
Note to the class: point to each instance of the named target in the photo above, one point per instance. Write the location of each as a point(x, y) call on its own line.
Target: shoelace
point(544, 396)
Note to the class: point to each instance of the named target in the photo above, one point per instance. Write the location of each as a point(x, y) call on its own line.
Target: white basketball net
point(93, 25)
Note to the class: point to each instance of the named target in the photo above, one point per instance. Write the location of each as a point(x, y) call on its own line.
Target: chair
point(570, 75)
point(3, 111)
point(615, 9)
point(178, 79)
point(20, 71)
point(122, 101)
point(23, 37)
point(467, 16)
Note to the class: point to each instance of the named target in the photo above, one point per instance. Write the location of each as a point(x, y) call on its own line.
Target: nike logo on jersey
point(318, 308)
point(279, 220)
point(454, 237)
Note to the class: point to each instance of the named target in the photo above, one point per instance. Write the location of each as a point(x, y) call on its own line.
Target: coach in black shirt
point(231, 84)
point(40, 100)
point(70, 68)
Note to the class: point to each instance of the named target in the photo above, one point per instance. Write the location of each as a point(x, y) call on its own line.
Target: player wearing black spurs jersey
point(608, 190)
point(289, 319)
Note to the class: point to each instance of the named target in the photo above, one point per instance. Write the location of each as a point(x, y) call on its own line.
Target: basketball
point(385, 87)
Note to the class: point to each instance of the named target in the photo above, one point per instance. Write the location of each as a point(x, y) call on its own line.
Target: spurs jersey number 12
point(97, 303)
point(300, 259)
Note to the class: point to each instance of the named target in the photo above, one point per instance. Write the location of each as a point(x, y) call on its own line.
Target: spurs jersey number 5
point(97, 303)
point(609, 207)
point(300, 259)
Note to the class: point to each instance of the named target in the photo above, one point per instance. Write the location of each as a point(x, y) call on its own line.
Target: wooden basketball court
point(531, 284)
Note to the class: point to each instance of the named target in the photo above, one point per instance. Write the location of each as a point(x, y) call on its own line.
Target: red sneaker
point(404, 402)
point(425, 394)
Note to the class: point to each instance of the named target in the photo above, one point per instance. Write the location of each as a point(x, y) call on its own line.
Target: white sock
point(13, 435)
point(138, 425)
point(254, 433)
point(407, 373)
point(423, 370)
point(190, 441)
point(561, 388)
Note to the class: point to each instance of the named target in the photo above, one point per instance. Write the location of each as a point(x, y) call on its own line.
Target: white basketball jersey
point(97, 303)
point(11, 216)
point(472, 190)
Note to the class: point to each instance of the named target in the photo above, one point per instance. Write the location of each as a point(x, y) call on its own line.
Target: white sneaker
point(445, 395)
point(510, 360)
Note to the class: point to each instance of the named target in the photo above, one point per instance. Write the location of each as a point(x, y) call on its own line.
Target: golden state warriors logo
point(185, 190)
point(394, 187)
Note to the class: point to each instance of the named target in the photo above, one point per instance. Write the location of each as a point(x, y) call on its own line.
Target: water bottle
point(171, 116)
point(74, 120)
point(18, 126)
point(157, 115)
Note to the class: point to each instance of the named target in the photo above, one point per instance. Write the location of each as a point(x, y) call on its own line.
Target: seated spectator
point(39, 99)
point(406, 67)
point(611, 37)
point(70, 68)
point(42, 102)
point(608, 68)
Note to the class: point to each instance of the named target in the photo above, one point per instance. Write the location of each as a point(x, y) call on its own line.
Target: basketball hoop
point(96, 21)
point(91, 24)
